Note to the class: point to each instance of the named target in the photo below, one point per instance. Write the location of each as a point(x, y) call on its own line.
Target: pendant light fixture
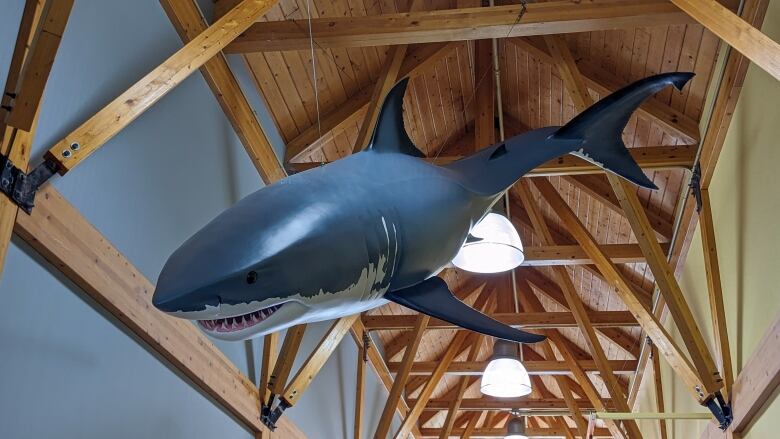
point(515, 428)
point(493, 247)
point(505, 376)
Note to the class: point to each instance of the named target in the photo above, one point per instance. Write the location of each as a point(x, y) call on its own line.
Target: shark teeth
point(238, 323)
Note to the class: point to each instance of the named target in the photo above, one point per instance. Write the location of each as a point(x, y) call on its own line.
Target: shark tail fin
point(600, 127)
point(434, 298)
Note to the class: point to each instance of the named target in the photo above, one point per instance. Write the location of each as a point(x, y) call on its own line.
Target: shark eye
point(251, 277)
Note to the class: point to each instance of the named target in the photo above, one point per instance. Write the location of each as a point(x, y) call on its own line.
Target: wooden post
point(360, 379)
point(292, 342)
point(717, 310)
point(659, 391)
point(301, 381)
point(267, 365)
point(386, 419)
point(36, 46)
point(109, 121)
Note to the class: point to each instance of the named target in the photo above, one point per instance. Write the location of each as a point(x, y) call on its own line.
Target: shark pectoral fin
point(434, 298)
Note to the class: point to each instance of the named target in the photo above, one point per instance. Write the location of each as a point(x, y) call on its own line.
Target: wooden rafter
point(534, 367)
point(190, 23)
point(106, 123)
point(59, 233)
point(329, 342)
point(38, 61)
point(457, 25)
point(604, 83)
point(647, 320)
point(500, 432)
point(16, 141)
point(360, 373)
point(572, 297)
point(386, 419)
point(649, 158)
point(735, 31)
point(527, 320)
point(460, 390)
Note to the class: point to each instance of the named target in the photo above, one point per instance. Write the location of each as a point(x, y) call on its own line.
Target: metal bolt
point(5, 182)
point(66, 153)
point(75, 146)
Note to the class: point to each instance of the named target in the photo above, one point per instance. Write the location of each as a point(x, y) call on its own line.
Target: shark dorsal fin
point(389, 133)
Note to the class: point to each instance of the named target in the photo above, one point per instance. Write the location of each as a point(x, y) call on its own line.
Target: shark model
point(374, 227)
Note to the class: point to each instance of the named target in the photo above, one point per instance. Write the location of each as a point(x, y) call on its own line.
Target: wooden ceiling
point(320, 123)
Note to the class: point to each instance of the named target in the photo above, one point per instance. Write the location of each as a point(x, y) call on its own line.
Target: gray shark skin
point(374, 226)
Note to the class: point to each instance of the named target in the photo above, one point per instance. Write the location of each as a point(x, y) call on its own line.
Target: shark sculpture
point(373, 227)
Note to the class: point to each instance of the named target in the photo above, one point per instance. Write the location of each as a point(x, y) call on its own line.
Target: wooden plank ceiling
point(440, 114)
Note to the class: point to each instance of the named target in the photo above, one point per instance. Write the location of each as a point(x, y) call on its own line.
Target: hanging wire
point(314, 70)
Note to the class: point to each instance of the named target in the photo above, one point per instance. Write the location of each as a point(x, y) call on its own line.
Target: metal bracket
point(695, 185)
point(366, 346)
point(269, 415)
point(21, 187)
point(721, 410)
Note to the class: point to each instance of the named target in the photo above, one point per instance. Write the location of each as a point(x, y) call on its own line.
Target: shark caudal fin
point(600, 127)
point(434, 298)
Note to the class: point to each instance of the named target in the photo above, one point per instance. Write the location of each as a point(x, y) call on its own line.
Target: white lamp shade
point(505, 378)
point(498, 249)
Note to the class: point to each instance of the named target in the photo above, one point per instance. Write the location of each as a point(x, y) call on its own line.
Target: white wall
point(66, 370)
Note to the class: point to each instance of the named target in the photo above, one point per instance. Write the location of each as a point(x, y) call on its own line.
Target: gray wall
point(69, 371)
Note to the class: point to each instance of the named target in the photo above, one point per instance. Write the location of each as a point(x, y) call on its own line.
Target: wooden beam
point(330, 341)
point(558, 255)
point(59, 233)
point(659, 392)
point(535, 367)
point(715, 290)
point(267, 365)
point(648, 321)
point(359, 393)
point(402, 374)
point(281, 372)
point(527, 320)
point(312, 138)
point(656, 259)
point(457, 25)
point(550, 289)
point(419, 405)
point(728, 91)
point(484, 95)
point(567, 286)
point(28, 26)
point(107, 122)
point(190, 23)
point(16, 143)
point(649, 158)
point(604, 83)
point(668, 286)
point(471, 426)
point(735, 31)
point(599, 188)
point(377, 363)
point(460, 390)
point(600, 433)
point(491, 403)
point(38, 62)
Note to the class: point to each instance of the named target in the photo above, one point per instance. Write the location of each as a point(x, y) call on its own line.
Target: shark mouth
point(239, 323)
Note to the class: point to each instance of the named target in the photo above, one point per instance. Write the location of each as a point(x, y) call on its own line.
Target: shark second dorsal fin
point(389, 133)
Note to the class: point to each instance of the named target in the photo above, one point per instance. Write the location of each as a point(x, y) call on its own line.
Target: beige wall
point(745, 196)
